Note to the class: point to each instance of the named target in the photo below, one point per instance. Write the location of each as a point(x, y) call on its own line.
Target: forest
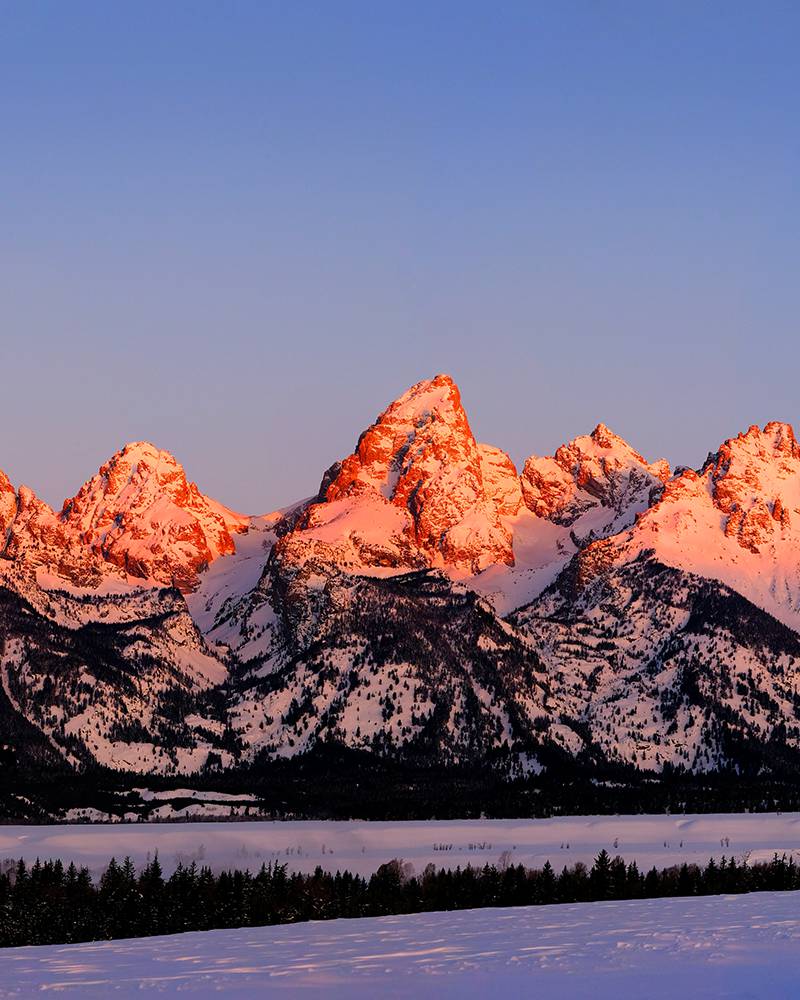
point(50, 903)
point(336, 782)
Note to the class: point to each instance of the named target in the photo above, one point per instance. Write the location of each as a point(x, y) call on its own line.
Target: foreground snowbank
point(703, 948)
point(361, 847)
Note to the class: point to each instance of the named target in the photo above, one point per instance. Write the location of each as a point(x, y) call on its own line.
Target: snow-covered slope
point(593, 487)
point(109, 678)
point(665, 667)
point(409, 662)
point(701, 948)
point(737, 520)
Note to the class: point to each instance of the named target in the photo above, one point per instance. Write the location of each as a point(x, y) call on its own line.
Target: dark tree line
point(48, 903)
point(384, 788)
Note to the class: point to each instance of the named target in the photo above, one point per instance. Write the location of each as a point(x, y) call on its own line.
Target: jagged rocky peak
point(8, 507)
point(596, 470)
point(37, 538)
point(754, 481)
point(140, 513)
point(419, 472)
point(757, 456)
point(737, 521)
point(418, 435)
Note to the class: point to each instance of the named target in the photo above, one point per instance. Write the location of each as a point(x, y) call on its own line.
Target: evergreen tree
point(600, 876)
point(547, 884)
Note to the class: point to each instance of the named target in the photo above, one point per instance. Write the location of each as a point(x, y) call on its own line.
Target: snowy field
point(362, 846)
point(736, 947)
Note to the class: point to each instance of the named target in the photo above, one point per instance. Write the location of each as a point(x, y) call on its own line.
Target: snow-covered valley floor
point(703, 948)
point(361, 846)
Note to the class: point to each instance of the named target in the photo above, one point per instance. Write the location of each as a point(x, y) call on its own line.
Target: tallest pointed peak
point(442, 380)
point(144, 449)
point(438, 395)
point(603, 436)
point(419, 464)
point(426, 419)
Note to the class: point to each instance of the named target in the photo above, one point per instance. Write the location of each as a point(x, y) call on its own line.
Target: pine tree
point(547, 884)
point(600, 876)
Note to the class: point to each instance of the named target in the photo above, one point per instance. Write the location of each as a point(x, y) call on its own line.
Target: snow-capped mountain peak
point(140, 513)
point(417, 477)
point(736, 520)
point(137, 517)
point(8, 506)
point(597, 470)
point(36, 538)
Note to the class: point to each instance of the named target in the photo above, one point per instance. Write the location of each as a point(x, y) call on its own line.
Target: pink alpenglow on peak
point(500, 480)
point(419, 474)
point(418, 491)
point(737, 520)
point(140, 513)
point(8, 507)
point(37, 538)
point(750, 488)
point(751, 476)
point(137, 518)
point(599, 470)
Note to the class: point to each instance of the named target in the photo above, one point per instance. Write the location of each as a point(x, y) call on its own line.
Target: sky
point(239, 230)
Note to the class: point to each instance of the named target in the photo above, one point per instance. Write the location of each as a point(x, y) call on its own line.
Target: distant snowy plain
point(363, 846)
point(736, 947)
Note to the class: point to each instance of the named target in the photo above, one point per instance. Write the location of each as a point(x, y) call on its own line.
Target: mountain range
point(429, 602)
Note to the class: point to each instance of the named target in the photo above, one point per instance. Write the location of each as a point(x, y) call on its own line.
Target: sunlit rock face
point(140, 513)
point(598, 474)
point(137, 518)
point(417, 491)
point(38, 539)
point(736, 520)
point(8, 506)
point(500, 480)
point(754, 481)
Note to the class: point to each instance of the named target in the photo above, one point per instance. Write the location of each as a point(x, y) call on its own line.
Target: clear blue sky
point(240, 229)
